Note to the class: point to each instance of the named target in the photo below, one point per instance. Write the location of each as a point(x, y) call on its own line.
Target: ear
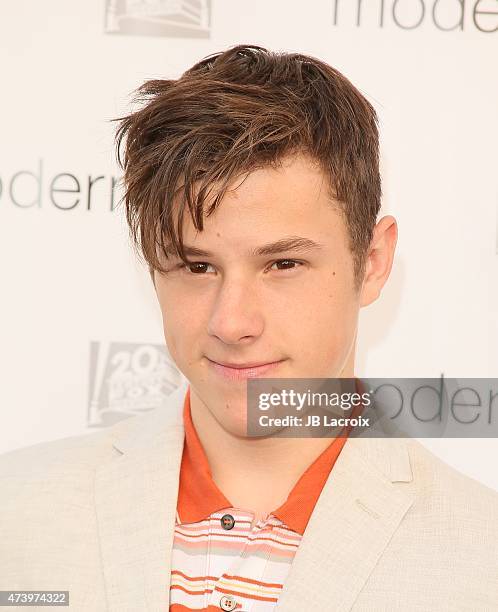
point(379, 260)
point(151, 272)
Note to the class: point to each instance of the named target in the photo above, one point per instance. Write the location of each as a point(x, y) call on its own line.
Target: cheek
point(183, 327)
point(327, 325)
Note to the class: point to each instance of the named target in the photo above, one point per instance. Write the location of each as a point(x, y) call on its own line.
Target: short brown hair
point(235, 111)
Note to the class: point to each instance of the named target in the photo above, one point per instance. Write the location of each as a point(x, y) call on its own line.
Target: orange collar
point(199, 497)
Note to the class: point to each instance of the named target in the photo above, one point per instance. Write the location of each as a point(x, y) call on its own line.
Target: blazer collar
point(361, 505)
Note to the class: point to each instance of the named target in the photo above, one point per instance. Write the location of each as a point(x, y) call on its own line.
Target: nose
point(236, 317)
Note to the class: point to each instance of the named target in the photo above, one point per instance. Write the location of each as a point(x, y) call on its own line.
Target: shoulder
point(82, 452)
point(48, 507)
point(453, 516)
point(86, 452)
point(446, 488)
point(73, 460)
point(443, 553)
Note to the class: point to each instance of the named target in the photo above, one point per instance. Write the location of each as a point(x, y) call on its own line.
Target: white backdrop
point(81, 336)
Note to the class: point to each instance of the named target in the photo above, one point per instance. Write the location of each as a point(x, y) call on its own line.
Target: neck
point(255, 474)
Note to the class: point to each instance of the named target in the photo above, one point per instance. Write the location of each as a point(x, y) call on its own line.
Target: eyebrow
point(287, 245)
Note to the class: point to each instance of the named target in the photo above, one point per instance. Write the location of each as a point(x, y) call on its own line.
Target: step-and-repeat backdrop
point(81, 333)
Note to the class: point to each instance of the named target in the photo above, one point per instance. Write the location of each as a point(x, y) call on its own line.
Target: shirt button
point(227, 522)
point(227, 603)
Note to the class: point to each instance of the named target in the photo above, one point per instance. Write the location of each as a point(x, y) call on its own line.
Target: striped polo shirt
point(218, 561)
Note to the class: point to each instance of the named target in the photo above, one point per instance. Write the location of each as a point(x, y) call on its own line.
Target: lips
point(241, 366)
point(242, 371)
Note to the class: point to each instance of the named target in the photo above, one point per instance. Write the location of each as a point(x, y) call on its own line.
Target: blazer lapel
point(135, 497)
point(355, 517)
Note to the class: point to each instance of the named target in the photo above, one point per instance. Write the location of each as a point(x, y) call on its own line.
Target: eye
point(201, 267)
point(195, 267)
point(289, 264)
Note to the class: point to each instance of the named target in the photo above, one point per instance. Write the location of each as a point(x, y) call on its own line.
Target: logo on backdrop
point(127, 379)
point(34, 187)
point(173, 18)
point(445, 15)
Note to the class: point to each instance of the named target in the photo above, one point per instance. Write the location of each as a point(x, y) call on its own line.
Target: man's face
point(236, 307)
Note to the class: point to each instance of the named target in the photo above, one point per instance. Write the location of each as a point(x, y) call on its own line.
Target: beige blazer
point(395, 528)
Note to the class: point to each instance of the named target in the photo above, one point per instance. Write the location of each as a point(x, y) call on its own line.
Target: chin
point(231, 414)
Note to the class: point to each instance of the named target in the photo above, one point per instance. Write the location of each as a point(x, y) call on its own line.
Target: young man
point(252, 192)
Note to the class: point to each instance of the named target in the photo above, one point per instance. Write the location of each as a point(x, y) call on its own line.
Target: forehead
point(267, 205)
point(295, 179)
point(296, 193)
